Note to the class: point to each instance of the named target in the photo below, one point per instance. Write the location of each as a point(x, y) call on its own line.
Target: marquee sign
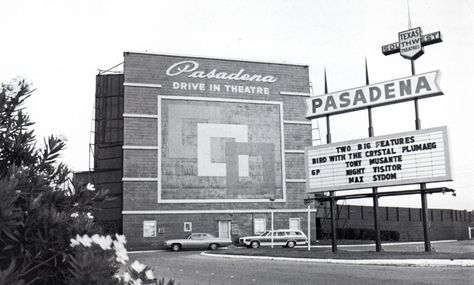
point(378, 94)
point(396, 159)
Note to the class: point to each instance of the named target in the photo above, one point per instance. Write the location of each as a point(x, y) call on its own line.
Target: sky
point(60, 45)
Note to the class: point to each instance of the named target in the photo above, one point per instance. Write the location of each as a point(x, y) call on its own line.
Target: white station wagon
point(287, 238)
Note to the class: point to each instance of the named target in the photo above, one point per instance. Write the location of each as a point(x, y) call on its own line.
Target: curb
point(146, 251)
point(386, 262)
point(373, 244)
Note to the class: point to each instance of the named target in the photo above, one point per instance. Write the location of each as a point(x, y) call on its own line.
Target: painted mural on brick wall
point(219, 150)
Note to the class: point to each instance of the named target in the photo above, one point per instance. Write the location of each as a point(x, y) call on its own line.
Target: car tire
point(254, 244)
point(213, 246)
point(175, 247)
point(291, 244)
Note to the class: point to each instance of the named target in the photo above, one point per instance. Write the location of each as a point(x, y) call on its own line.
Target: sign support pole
point(273, 233)
point(424, 200)
point(332, 202)
point(331, 193)
point(333, 205)
point(410, 46)
point(309, 227)
point(375, 198)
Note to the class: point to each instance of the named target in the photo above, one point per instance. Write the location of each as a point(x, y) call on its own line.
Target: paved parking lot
point(189, 267)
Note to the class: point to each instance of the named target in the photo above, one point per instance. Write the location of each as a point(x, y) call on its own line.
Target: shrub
point(384, 235)
point(394, 235)
point(357, 233)
point(367, 234)
point(47, 230)
point(389, 235)
point(350, 233)
point(340, 233)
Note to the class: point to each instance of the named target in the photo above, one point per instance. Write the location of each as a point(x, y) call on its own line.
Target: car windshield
point(264, 234)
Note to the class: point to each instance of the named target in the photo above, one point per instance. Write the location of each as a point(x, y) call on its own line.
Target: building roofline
point(219, 58)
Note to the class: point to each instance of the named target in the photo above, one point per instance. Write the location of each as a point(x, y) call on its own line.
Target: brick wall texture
point(143, 163)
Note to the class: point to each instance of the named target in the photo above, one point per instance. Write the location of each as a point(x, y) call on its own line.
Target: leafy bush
point(47, 229)
point(340, 233)
point(350, 233)
point(385, 235)
point(394, 235)
point(357, 233)
point(389, 235)
point(366, 234)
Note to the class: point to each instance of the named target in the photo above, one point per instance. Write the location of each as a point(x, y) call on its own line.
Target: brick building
point(193, 144)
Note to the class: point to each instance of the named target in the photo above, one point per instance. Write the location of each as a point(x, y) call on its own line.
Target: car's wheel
point(291, 244)
point(255, 244)
point(175, 247)
point(213, 246)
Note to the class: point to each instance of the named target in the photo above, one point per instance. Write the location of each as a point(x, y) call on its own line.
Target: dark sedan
point(197, 240)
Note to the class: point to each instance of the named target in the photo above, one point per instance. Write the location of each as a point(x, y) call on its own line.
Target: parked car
point(197, 240)
point(286, 238)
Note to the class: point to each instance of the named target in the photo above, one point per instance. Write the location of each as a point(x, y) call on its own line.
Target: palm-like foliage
point(36, 204)
point(42, 210)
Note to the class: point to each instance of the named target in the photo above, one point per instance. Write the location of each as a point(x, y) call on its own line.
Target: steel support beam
point(381, 194)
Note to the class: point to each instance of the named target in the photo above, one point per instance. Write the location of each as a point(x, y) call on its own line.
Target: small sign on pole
point(406, 36)
point(410, 43)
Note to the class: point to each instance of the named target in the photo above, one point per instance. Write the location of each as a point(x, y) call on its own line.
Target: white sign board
point(378, 94)
point(410, 43)
point(149, 228)
point(396, 159)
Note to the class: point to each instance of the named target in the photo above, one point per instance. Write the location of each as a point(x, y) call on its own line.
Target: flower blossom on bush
point(126, 277)
point(104, 242)
point(137, 266)
point(138, 281)
point(85, 240)
point(90, 187)
point(75, 215)
point(121, 255)
point(121, 238)
point(149, 274)
point(120, 252)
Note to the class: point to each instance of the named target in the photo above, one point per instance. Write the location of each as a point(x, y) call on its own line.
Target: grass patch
point(318, 253)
